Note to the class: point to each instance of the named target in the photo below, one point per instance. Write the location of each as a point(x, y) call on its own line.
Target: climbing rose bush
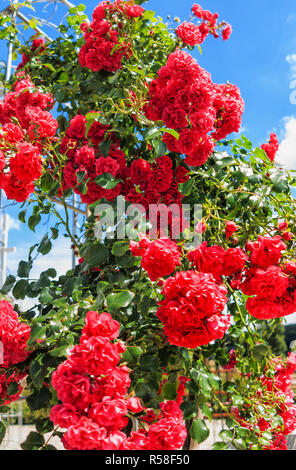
point(27, 127)
point(93, 389)
point(103, 48)
point(186, 283)
point(184, 97)
point(276, 392)
point(192, 309)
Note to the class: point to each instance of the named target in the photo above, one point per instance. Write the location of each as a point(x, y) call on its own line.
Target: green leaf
point(8, 284)
point(170, 131)
point(45, 246)
point(260, 154)
point(45, 297)
point(104, 147)
point(37, 332)
point(186, 188)
point(12, 388)
point(49, 447)
point(2, 431)
point(47, 182)
point(22, 216)
point(169, 391)
point(4, 409)
point(206, 411)
point(240, 444)
point(54, 233)
point(80, 176)
point(51, 272)
point(54, 188)
point(24, 268)
point(101, 286)
point(189, 409)
point(226, 435)
point(44, 425)
point(199, 431)
point(106, 181)
point(120, 247)
point(220, 446)
point(259, 352)
point(70, 285)
point(33, 221)
point(60, 351)
point(247, 143)
point(144, 391)
point(160, 148)
point(42, 282)
point(33, 442)
point(20, 289)
point(39, 399)
point(117, 301)
point(131, 355)
point(152, 132)
point(36, 373)
point(280, 183)
point(96, 254)
point(149, 363)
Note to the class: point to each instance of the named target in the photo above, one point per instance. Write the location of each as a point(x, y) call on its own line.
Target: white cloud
point(291, 59)
point(12, 223)
point(287, 150)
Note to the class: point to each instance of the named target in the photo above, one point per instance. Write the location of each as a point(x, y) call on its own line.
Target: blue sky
point(258, 58)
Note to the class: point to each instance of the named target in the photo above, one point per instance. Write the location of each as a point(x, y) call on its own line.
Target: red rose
point(140, 172)
point(26, 165)
point(192, 309)
point(64, 415)
point(266, 309)
point(85, 435)
point(189, 33)
point(161, 258)
point(167, 434)
point(100, 325)
point(272, 147)
point(226, 33)
point(72, 387)
point(266, 251)
point(17, 189)
point(161, 180)
point(230, 229)
point(234, 261)
point(95, 355)
point(13, 133)
point(208, 259)
point(134, 11)
point(110, 413)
